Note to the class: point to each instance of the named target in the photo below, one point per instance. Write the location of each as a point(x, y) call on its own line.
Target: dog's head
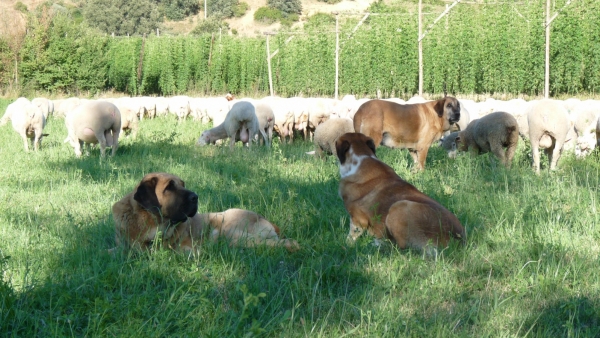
point(448, 108)
point(354, 144)
point(165, 195)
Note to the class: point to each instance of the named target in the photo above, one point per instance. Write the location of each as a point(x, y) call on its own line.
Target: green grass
point(530, 266)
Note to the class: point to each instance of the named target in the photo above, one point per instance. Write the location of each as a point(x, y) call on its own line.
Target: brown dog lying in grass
point(161, 211)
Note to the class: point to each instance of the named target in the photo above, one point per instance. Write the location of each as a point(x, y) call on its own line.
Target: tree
point(122, 17)
point(179, 9)
point(286, 6)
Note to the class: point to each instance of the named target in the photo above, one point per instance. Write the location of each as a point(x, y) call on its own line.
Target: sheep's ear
point(371, 145)
point(145, 194)
point(439, 107)
point(341, 147)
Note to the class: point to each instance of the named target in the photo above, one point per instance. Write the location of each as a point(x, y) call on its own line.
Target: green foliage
point(210, 25)
point(64, 57)
point(286, 6)
point(224, 8)
point(122, 17)
point(481, 49)
point(289, 19)
point(179, 9)
point(21, 7)
point(267, 15)
point(320, 21)
point(241, 9)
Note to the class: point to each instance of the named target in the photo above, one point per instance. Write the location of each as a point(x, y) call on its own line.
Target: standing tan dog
point(411, 126)
point(161, 208)
point(385, 205)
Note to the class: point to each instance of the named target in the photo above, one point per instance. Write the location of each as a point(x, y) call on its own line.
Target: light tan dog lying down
point(161, 208)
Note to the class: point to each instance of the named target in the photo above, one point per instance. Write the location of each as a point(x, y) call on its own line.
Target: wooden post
point(337, 53)
point(205, 10)
point(269, 64)
point(420, 48)
point(547, 72)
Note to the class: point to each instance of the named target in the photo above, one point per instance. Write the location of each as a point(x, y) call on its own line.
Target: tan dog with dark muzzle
point(385, 205)
point(411, 126)
point(161, 211)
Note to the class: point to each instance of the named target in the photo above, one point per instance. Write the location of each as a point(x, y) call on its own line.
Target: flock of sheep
point(552, 125)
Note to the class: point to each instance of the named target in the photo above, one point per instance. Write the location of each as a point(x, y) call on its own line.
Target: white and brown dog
point(385, 205)
point(161, 211)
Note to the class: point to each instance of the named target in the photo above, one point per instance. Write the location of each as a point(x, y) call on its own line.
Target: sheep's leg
point(102, 142)
point(535, 153)
point(77, 145)
point(499, 152)
point(25, 142)
point(558, 145)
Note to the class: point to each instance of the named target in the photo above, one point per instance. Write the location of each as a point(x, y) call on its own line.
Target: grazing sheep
point(284, 117)
point(266, 121)
point(547, 118)
point(29, 122)
point(64, 107)
point(491, 133)
point(94, 122)
point(319, 111)
point(47, 106)
point(130, 114)
point(18, 105)
point(585, 116)
point(327, 133)
point(180, 106)
point(240, 124)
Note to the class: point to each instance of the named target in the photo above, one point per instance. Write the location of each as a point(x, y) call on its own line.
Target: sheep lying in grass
point(241, 124)
point(491, 133)
point(29, 122)
point(327, 133)
point(548, 128)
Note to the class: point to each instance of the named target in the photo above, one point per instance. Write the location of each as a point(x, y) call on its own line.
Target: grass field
point(530, 266)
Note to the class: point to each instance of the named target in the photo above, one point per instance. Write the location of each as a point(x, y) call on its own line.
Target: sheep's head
point(204, 138)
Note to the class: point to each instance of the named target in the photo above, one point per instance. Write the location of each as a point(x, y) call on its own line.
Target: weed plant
point(529, 268)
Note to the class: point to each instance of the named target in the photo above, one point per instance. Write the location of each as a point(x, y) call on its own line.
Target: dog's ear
point(341, 147)
point(371, 145)
point(145, 194)
point(439, 107)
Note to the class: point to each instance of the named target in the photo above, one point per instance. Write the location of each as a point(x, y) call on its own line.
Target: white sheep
point(240, 124)
point(180, 106)
point(327, 133)
point(548, 128)
point(284, 117)
point(47, 106)
point(29, 122)
point(584, 117)
point(94, 122)
point(18, 105)
point(266, 120)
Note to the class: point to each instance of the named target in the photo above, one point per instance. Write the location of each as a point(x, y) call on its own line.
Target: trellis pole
point(269, 64)
point(337, 53)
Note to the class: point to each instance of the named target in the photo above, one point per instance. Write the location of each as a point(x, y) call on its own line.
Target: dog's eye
point(170, 186)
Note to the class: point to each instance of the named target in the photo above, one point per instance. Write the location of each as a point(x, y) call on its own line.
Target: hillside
point(246, 26)
point(11, 20)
